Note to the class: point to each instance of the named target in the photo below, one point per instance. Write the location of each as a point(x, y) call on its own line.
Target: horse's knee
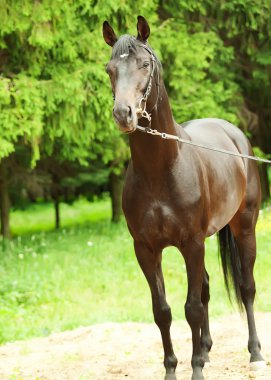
point(162, 316)
point(194, 312)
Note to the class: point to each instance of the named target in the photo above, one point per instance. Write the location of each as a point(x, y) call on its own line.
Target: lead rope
point(168, 136)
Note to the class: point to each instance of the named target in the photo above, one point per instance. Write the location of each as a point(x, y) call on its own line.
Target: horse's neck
point(151, 154)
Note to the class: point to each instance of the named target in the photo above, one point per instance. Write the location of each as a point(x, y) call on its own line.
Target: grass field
point(87, 273)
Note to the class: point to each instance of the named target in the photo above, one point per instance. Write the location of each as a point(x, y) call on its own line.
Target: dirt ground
point(133, 351)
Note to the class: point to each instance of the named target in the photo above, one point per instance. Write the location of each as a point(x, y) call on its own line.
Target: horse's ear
point(109, 34)
point(143, 29)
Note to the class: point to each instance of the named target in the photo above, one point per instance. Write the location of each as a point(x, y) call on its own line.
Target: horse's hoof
point(170, 376)
point(197, 377)
point(258, 365)
point(197, 374)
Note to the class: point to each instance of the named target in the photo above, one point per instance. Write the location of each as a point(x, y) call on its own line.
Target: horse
point(178, 195)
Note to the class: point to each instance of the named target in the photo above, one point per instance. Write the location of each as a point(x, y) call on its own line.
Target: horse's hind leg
point(150, 263)
point(246, 243)
point(247, 248)
point(205, 339)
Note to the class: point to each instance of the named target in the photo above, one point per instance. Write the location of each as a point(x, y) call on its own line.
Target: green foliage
point(259, 153)
point(21, 112)
point(55, 95)
point(53, 88)
point(196, 72)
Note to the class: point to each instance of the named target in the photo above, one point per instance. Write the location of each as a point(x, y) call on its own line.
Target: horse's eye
point(146, 64)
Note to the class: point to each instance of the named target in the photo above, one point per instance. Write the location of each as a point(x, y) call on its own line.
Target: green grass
point(87, 273)
point(40, 217)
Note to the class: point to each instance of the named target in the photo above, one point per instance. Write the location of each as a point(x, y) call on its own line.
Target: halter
point(142, 111)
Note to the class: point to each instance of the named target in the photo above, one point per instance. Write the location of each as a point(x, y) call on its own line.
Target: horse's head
point(132, 69)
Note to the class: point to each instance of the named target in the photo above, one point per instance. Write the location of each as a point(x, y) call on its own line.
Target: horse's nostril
point(123, 113)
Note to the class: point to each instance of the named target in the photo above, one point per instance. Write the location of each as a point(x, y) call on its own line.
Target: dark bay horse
point(178, 195)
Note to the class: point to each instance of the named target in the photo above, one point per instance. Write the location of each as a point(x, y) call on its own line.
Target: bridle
point(141, 110)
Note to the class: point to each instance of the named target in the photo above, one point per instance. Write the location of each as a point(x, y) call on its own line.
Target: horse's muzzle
point(125, 117)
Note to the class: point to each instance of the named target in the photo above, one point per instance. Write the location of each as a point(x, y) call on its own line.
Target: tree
point(53, 87)
point(197, 75)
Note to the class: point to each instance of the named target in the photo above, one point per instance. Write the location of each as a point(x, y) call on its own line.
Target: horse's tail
point(231, 263)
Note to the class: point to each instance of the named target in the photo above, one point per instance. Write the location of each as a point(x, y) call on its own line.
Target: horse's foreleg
point(246, 243)
point(150, 263)
point(206, 340)
point(194, 258)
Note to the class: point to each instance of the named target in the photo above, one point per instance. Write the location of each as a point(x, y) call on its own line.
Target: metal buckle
point(146, 115)
point(153, 132)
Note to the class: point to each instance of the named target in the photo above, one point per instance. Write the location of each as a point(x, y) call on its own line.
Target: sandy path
point(114, 351)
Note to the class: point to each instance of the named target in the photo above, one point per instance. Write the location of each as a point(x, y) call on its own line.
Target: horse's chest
point(155, 222)
point(162, 212)
point(160, 215)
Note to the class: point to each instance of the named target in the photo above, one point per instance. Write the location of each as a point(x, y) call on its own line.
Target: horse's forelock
point(125, 45)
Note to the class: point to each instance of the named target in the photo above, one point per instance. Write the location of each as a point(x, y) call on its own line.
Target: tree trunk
point(57, 213)
point(4, 202)
point(264, 182)
point(116, 186)
point(55, 195)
